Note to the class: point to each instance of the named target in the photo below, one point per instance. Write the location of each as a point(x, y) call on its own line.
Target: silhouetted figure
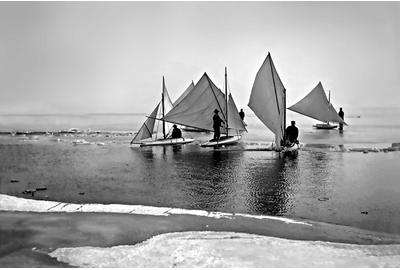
point(176, 133)
point(217, 121)
point(241, 113)
point(292, 132)
point(341, 115)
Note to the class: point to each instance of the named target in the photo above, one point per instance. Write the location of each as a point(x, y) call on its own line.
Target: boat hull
point(223, 141)
point(325, 126)
point(291, 149)
point(164, 142)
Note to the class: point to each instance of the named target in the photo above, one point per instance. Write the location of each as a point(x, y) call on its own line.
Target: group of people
point(292, 132)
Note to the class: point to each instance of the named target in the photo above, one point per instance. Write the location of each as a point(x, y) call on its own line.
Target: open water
point(326, 181)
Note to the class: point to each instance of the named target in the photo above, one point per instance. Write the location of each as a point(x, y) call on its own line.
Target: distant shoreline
point(351, 111)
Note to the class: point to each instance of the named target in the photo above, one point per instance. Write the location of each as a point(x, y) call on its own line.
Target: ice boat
point(268, 102)
point(196, 110)
point(317, 106)
point(148, 134)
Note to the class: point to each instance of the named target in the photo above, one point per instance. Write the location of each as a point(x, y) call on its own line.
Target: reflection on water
point(268, 187)
point(318, 171)
point(234, 181)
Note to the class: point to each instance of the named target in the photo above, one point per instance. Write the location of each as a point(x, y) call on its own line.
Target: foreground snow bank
point(228, 249)
point(11, 203)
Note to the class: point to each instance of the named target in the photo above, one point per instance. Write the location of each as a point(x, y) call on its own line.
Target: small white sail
point(317, 106)
point(146, 130)
point(267, 99)
point(167, 100)
point(184, 94)
point(234, 120)
point(167, 107)
point(196, 109)
point(149, 128)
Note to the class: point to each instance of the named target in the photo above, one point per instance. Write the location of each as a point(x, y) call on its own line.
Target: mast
point(162, 103)
point(226, 101)
point(329, 102)
point(284, 115)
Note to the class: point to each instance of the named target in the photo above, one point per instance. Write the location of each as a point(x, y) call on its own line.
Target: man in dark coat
point(241, 114)
point(341, 115)
point(217, 121)
point(292, 132)
point(176, 133)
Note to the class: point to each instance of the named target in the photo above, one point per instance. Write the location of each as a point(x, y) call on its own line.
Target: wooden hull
point(223, 141)
point(325, 126)
point(165, 142)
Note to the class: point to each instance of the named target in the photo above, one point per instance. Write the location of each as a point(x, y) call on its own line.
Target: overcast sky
point(102, 57)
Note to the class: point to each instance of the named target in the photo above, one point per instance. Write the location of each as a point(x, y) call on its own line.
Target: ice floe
point(84, 142)
point(230, 249)
point(80, 142)
point(12, 203)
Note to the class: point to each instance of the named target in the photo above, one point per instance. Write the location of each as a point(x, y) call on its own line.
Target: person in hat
point(217, 121)
point(292, 132)
point(176, 133)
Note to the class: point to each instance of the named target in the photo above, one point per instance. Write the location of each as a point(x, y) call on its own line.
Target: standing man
point(241, 113)
point(217, 121)
point(341, 115)
point(292, 132)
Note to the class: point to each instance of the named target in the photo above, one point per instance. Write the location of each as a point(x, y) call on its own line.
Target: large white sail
point(267, 99)
point(146, 130)
point(317, 106)
point(196, 109)
point(184, 94)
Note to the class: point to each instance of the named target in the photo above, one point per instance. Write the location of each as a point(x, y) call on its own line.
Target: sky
point(110, 57)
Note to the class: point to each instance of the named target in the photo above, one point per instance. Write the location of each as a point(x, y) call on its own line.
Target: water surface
point(324, 182)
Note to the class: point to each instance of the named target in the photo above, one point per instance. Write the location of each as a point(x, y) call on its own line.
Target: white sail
point(167, 100)
point(184, 94)
point(146, 130)
point(167, 107)
point(267, 99)
point(196, 109)
point(317, 106)
point(234, 120)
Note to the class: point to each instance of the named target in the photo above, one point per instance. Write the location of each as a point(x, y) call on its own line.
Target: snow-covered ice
point(229, 249)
